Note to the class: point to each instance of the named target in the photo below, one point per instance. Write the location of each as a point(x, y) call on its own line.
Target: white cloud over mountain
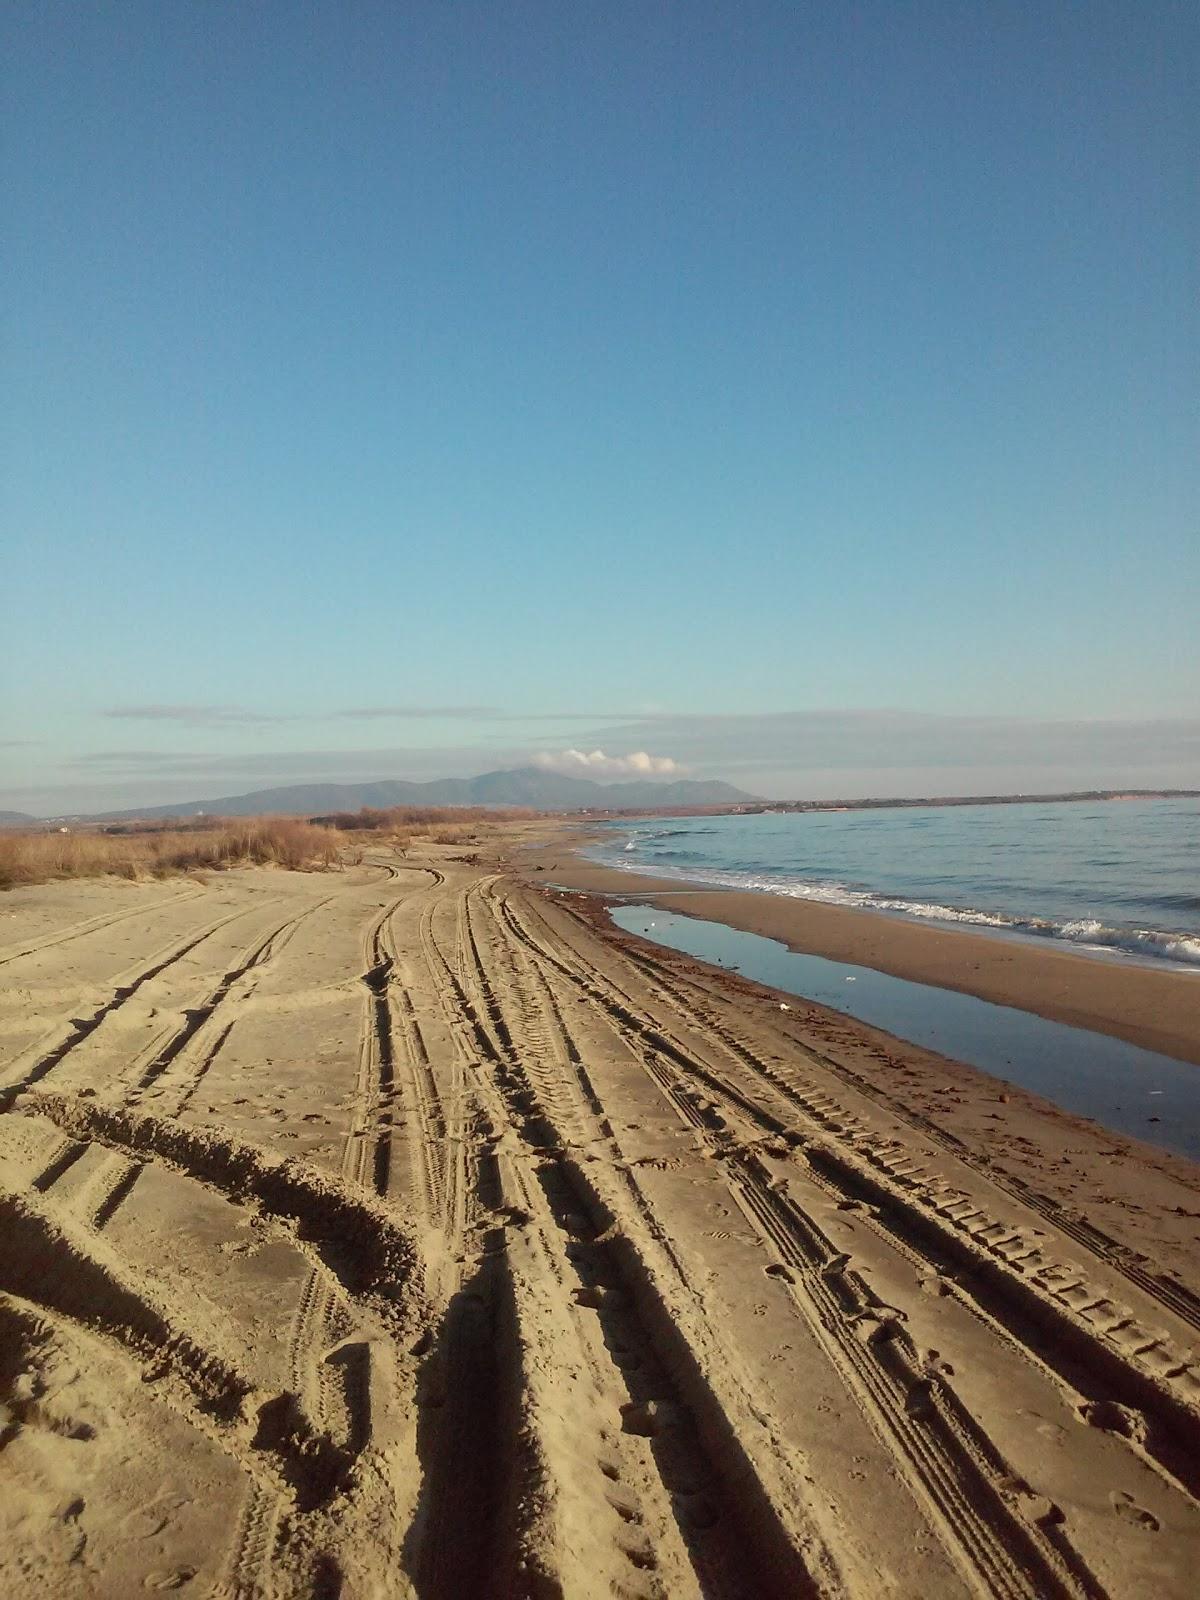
point(595, 764)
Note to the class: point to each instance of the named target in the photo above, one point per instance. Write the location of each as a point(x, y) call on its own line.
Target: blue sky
point(802, 393)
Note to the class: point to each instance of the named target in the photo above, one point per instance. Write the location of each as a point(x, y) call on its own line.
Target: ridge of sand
point(407, 1231)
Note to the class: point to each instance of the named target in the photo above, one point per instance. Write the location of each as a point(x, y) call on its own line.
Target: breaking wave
point(1084, 933)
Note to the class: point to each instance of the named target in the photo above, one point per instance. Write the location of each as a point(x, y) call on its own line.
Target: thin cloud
point(145, 758)
point(269, 766)
point(368, 713)
point(486, 714)
point(853, 739)
point(596, 764)
point(577, 716)
point(199, 716)
point(191, 716)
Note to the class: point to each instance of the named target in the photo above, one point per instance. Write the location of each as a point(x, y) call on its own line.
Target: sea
point(1118, 878)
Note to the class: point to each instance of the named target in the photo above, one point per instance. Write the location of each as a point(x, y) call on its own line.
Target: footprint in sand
point(937, 1287)
point(1128, 1509)
point(176, 1578)
point(1112, 1417)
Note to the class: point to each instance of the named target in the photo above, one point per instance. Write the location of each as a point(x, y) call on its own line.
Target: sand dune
point(402, 1231)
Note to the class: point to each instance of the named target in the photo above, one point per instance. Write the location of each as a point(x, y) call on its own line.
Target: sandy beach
point(405, 1230)
point(1154, 1006)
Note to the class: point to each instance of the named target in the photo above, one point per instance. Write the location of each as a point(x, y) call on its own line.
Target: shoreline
point(1156, 1010)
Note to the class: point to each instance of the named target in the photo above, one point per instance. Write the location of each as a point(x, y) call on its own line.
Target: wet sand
point(1155, 1007)
point(1113, 1083)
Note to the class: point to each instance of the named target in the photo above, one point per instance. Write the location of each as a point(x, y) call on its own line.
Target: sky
point(800, 394)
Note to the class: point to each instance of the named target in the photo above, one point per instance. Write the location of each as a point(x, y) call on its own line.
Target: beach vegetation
point(146, 851)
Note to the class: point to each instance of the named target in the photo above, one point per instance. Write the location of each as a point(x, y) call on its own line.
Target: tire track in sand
point(1045, 1300)
point(361, 1268)
point(952, 1471)
point(80, 930)
point(948, 1459)
point(489, 1352)
point(248, 966)
point(680, 1520)
point(24, 1073)
point(330, 1363)
point(330, 1372)
point(1176, 1297)
point(666, 1056)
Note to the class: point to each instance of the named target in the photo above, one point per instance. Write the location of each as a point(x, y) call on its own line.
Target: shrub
point(159, 853)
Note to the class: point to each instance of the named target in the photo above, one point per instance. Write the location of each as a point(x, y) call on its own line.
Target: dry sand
point(405, 1231)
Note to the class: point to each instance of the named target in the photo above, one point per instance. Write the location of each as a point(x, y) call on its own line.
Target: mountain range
point(522, 786)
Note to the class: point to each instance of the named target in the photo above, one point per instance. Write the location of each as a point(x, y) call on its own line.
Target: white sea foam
point(1135, 941)
point(1088, 934)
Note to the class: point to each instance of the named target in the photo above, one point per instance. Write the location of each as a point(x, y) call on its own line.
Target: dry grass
point(159, 853)
point(419, 819)
point(404, 826)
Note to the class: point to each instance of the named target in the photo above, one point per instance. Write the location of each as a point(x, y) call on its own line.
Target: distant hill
point(523, 786)
point(16, 819)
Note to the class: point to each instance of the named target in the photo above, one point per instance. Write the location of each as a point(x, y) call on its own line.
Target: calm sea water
point(1134, 1091)
point(1117, 876)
